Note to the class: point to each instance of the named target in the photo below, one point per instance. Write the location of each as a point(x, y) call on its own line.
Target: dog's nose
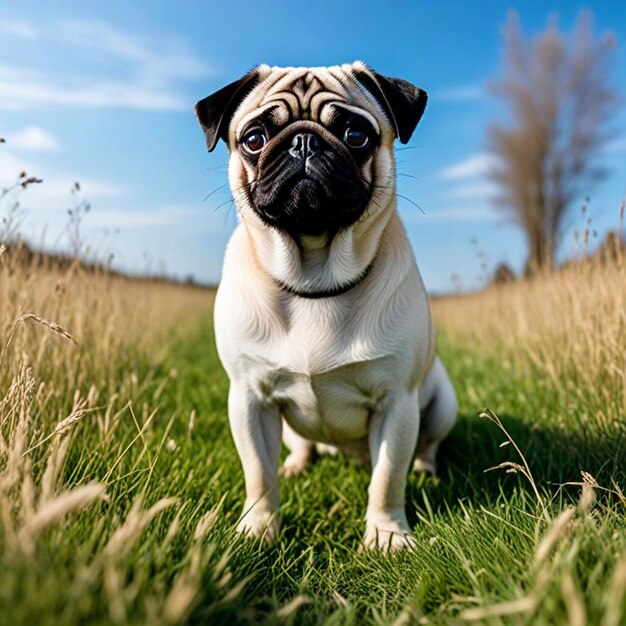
point(304, 145)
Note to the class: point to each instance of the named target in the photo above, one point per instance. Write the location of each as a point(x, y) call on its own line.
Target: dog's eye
point(355, 137)
point(255, 141)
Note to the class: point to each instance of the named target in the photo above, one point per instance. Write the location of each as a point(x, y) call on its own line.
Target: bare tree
point(559, 98)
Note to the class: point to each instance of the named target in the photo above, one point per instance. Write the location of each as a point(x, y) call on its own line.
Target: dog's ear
point(403, 102)
point(216, 111)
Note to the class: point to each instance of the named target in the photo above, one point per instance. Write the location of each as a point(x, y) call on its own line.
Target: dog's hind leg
point(301, 452)
point(438, 416)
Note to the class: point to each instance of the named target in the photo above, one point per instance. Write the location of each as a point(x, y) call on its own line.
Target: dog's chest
point(334, 406)
point(324, 377)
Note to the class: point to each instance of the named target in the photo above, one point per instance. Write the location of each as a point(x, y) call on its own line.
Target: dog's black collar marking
point(330, 293)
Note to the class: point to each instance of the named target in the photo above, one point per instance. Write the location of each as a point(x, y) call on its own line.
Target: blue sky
point(103, 92)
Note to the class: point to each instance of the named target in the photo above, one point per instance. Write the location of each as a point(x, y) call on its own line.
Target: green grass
point(477, 532)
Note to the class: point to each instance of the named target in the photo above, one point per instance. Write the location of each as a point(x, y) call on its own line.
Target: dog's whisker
point(399, 195)
point(215, 191)
point(219, 206)
point(233, 190)
point(227, 216)
point(412, 202)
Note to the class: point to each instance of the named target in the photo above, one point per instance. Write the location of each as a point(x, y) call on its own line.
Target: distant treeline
point(20, 253)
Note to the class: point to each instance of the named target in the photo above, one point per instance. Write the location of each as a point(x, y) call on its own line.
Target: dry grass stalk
point(523, 605)
point(124, 537)
point(208, 520)
point(55, 328)
point(512, 467)
point(574, 605)
point(184, 592)
point(617, 595)
point(192, 422)
point(555, 533)
point(292, 606)
point(57, 508)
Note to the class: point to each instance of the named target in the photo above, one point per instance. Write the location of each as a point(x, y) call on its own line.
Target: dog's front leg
point(256, 430)
point(392, 437)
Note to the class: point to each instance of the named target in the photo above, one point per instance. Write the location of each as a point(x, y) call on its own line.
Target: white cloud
point(472, 167)
point(462, 93)
point(165, 57)
point(19, 29)
point(23, 94)
point(474, 190)
point(33, 139)
point(148, 71)
point(467, 179)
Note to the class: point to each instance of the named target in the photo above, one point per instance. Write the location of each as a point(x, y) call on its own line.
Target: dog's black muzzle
point(308, 182)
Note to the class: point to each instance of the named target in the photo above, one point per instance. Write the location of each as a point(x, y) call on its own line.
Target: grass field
point(120, 485)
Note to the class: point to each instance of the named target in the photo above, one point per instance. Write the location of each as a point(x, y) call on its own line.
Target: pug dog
point(322, 321)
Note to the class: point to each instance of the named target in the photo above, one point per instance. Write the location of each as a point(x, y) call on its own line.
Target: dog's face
point(312, 148)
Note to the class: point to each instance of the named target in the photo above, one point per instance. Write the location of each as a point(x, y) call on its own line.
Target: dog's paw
point(425, 464)
point(326, 448)
point(259, 525)
point(388, 534)
point(294, 465)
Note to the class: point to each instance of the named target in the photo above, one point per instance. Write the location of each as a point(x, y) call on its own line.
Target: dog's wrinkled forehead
point(309, 93)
